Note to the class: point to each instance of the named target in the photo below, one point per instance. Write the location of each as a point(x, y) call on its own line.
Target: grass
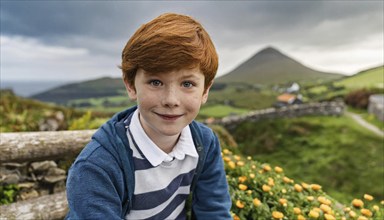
point(331, 151)
point(243, 98)
point(373, 78)
point(218, 111)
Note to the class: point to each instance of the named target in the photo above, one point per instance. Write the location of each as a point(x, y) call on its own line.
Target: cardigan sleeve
point(211, 199)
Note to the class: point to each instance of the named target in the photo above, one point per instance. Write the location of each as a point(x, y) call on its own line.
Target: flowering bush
point(259, 191)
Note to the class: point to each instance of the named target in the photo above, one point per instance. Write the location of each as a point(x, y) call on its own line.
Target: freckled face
point(168, 101)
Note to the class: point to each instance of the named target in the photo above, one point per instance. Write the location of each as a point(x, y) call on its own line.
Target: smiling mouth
point(169, 117)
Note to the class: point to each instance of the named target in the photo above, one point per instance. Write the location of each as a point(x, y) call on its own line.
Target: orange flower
point(362, 218)
point(226, 151)
point(266, 168)
point(277, 215)
point(278, 169)
point(235, 217)
point(240, 163)
point(313, 214)
point(300, 217)
point(231, 164)
point(243, 187)
point(251, 175)
point(242, 179)
point(376, 208)
point(310, 198)
point(298, 188)
point(326, 208)
point(271, 182)
point(296, 210)
point(357, 203)
point(368, 197)
point(237, 157)
point(352, 214)
point(366, 212)
point(283, 201)
point(226, 159)
point(329, 217)
point(324, 200)
point(287, 180)
point(266, 188)
point(239, 204)
point(305, 186)
point(256, 202)
point(316, 187)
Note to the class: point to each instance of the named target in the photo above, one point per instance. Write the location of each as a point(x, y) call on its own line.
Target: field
point(331, 151)
point(373, 78)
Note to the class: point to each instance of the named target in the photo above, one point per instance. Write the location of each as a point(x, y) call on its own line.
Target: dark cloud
point(103, 27)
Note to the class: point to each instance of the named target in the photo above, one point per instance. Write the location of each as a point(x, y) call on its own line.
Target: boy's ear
point(131, 91)
point(206, 93)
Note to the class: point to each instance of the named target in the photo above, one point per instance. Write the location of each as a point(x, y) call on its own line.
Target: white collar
point(152, 152)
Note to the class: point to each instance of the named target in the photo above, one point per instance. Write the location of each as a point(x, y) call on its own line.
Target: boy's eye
point(187, 84)
point(155, 82)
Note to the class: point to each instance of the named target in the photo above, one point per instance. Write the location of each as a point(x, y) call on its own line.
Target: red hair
point(170, 42)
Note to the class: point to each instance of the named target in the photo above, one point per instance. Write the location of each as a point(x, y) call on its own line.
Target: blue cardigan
point(101, 181)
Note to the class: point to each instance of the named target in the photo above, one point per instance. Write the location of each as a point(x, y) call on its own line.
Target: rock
point(54, 171)
point(39, 167)
point(54, 179)
point(12, 178)
point(29, 194)
point(59, 187)
point(26, 185)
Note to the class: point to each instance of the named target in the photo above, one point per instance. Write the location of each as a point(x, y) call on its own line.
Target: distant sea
point(29, 88)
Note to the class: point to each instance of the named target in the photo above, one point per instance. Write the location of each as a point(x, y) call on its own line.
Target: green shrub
point(8, 193)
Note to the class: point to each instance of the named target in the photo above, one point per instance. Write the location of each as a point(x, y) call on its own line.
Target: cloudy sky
point(78, 40)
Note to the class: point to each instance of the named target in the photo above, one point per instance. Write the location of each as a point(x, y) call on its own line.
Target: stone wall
point(34, 179)
point(376, 106)
point(323, 108)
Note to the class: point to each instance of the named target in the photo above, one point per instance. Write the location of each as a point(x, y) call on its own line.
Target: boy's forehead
point(185, 72)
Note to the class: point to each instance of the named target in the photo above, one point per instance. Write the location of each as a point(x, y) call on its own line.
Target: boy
point(147, 160)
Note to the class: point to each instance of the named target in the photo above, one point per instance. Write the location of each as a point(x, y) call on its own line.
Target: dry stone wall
point(376, 106)
point(322, 108)
point(33, 179)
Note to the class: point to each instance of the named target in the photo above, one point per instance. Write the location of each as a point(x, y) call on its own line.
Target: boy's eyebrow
point(189, 76)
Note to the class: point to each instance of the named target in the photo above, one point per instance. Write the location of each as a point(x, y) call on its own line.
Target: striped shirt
point(162, 181)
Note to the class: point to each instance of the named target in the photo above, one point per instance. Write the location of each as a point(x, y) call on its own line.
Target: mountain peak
point(269, 66)
point(270, 52)
point(269, 49)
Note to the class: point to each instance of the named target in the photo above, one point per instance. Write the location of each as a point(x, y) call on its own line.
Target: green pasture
point(370, 79)
point(219, 111)
point(335, 152)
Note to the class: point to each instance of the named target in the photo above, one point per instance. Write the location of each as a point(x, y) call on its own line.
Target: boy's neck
point(166, 144)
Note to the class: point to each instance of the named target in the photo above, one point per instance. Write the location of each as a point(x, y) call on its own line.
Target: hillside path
point(365, 124)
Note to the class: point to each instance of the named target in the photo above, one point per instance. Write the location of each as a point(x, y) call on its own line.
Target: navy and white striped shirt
point(162, 185)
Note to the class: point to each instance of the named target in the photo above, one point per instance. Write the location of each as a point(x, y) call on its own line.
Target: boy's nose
point(171, 97)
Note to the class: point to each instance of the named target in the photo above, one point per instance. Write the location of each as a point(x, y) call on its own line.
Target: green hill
point(102, 87)
point(270, 66)
point(22, 114)
point(371, 78)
